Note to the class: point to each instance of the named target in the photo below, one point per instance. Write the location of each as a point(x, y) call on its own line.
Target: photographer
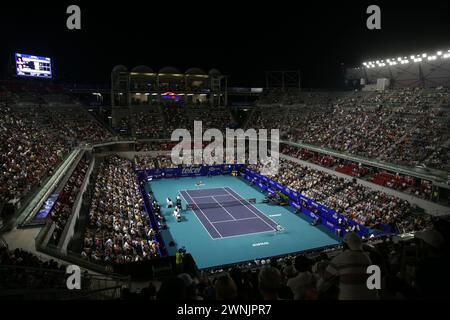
point(179, 256)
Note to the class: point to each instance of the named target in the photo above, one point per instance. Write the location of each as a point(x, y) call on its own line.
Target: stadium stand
point(363, 205)
point(148, 122)
point(62, 209)
point(408, 127)
point(404, 126)
point(76, 125)
point(405, 268)
point(119, 228)
point(30, 150)
point(393, 180)
point(144, 162)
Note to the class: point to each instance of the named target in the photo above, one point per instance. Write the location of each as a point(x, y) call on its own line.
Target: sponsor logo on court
point(259, 244)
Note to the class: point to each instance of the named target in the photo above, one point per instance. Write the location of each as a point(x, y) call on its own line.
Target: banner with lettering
point(190, 171)
point(328, 217)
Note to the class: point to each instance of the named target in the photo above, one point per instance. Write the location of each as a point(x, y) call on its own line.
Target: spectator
point(225, 288)
point(349, 269)
point(172, 289)
point(269, 280)
point(303, 285)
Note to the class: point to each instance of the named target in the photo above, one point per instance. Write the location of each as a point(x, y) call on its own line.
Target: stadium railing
point(92, 286)
point(432, 175)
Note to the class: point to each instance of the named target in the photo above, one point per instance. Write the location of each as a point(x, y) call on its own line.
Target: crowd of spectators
point(440, 159)
point(145, 162)
point(154, 146)
point(35, 137)
point(149, 123)
point(415, 268)
point(164, 161)
point(176, 117)
point(363, 205)
point(63, 206)
point(183, 117)
point(75, 124)
point(119, 227)
point(29, 151)
point(405, 183)
point(404, 126)
point(212, 117)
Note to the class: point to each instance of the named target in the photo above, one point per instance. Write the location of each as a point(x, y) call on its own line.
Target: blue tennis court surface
point(233, 216)
point(242, 232)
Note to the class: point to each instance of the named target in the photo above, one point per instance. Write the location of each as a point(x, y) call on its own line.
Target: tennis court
point(229, 228)
point(224, 213)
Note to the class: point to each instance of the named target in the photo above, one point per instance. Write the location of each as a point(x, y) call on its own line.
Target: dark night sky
point(240, 38)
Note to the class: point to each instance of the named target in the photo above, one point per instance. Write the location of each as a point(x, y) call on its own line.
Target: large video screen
point(33, 66)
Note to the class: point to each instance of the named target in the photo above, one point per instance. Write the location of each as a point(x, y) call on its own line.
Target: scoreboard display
point(33, 66)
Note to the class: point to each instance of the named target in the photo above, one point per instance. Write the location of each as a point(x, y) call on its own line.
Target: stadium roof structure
point(142, 69)
point(416, 70)
point(166, 72)
point(127, 84)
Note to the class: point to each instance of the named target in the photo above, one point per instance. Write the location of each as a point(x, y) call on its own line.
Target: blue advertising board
point(328, 217)
point(191, 171)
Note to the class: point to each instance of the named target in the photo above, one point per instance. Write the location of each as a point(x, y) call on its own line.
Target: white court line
point(234, 236)
point(207, 189)
point(201, 197)
point(246, 234)
point(252, 210)
point(221, 206)
point(205, 217)
point(198, 218)
point(252, 218)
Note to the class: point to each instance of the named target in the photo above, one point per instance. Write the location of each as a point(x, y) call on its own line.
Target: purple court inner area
point(227, 221)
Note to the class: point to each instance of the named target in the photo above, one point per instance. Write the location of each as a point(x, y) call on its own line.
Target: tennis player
point(199, 184)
